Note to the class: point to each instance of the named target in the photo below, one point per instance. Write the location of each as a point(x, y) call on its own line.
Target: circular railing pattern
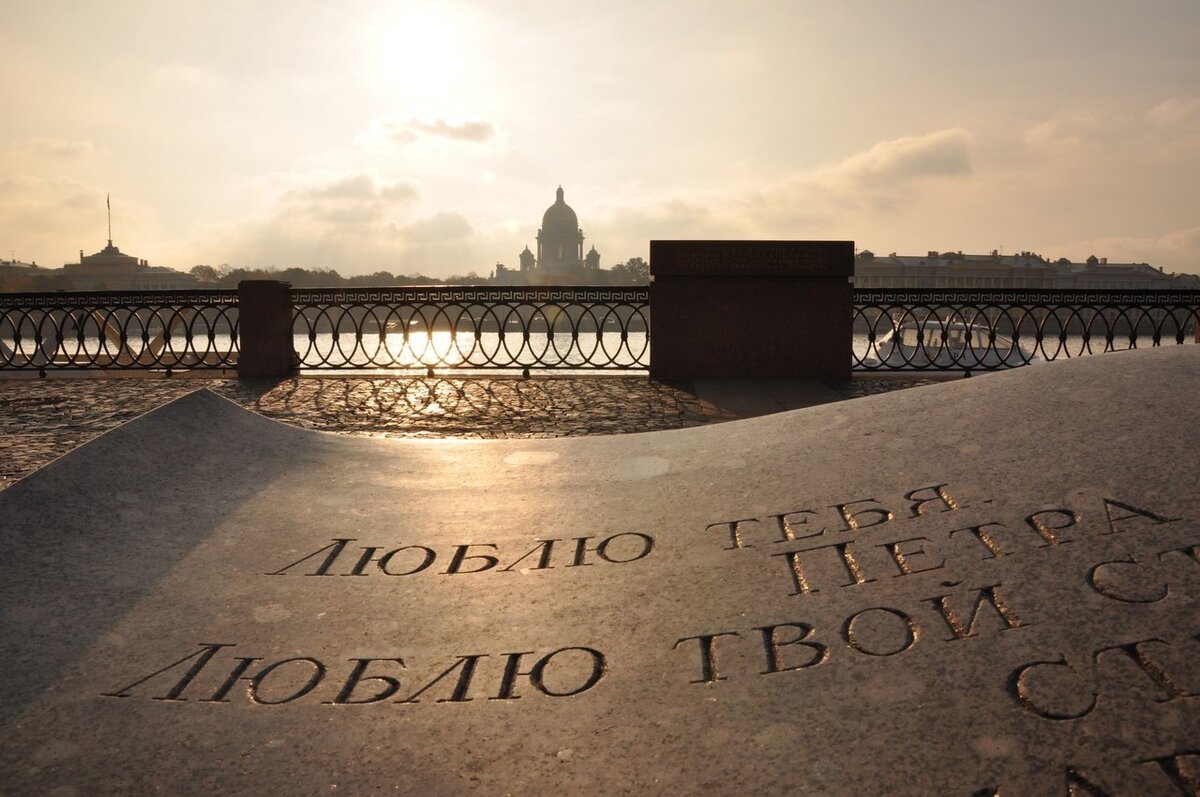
point(137, 330)
point(473, 327)
point(570, 327)
point(991, 330)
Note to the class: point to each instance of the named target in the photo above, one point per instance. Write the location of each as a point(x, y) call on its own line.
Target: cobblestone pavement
point(42, 419)
point(475, 407)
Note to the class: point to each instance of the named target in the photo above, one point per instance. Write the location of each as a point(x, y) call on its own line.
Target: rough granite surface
point(980, 587)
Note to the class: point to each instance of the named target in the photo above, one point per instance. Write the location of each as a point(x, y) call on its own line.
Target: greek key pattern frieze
point(118, 299)
point(1021, 296)
point(143, 330)
point(471, 293)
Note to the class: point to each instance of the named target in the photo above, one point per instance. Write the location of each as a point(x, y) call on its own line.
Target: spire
point(559, 195)
point(108, 202)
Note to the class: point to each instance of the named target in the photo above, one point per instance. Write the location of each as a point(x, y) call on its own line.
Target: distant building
point(15, 268)
point(560, 259)
point(1024, 270)
point(112, 270)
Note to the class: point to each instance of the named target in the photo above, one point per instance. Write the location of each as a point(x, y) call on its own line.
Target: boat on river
point(935, 344)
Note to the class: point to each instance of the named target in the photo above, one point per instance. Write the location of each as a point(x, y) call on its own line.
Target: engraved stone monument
point(975, 588)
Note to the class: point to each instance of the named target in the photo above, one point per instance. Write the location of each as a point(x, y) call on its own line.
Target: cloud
point(1092, 181)
point(184, 76)
point(1072, 129)
point(55, 148)
point(354, 223)
point(624, 230)
point(346, 200)
point(1178, 250)
point(51, 219)
point(438, 228)
point(475, 131)
point(943, 153)
point(359, 222)
point(1185, 242)
point(886, 179)
point(1176, 111)
point(356, 187)
point(1048, 134)
point(832, 200)
point(399, 191)
point(1086, 134)
point(464, 131)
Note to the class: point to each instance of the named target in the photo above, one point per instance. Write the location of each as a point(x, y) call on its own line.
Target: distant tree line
point(225, 277)
point(635, 271)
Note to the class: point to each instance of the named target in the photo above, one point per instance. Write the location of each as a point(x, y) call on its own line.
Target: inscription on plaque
point(827, 547)
point(1060, 687)
point(560, 673)
point(407, 560)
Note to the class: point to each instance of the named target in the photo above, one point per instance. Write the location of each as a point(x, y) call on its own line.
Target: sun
point(418, 49)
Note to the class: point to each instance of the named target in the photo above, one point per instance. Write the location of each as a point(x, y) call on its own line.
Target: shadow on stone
point(91, 536)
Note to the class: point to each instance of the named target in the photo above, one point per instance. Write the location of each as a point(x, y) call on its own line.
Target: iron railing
point(579, 327)
point(447, 326)
point(157, 330)
point(967, 330)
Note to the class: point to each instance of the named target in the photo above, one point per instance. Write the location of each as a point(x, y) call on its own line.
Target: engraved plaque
point(981, 587)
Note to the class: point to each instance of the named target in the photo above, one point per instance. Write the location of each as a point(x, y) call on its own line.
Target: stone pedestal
point(751, 308)
point(265, 329)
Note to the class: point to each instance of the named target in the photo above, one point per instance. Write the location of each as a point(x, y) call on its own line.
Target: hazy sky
point(430, 137)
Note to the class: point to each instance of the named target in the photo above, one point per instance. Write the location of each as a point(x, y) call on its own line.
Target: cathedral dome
point(560, 218)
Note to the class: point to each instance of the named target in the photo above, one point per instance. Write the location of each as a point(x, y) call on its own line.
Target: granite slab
point(987, 586)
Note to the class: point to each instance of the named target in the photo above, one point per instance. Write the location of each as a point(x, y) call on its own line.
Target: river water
point(442, 350)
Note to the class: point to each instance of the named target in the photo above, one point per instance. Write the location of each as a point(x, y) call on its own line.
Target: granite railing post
point(759, 309)
point(265, 329)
